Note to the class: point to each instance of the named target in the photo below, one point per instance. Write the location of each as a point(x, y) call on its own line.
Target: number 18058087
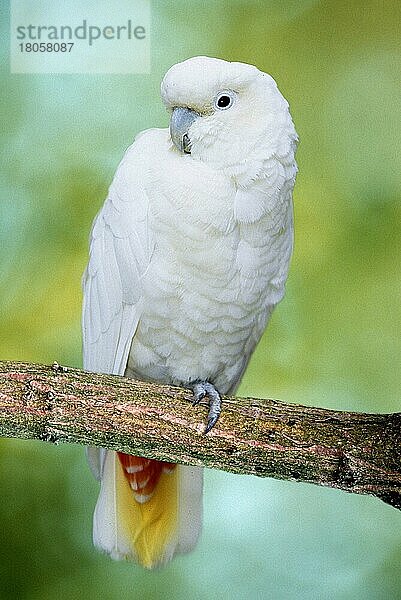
point(46, 46)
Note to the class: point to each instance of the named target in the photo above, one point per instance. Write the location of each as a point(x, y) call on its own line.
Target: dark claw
point(203, 389)
point(211, 422)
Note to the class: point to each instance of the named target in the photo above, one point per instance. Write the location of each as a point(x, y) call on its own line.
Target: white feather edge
point(95, 458)
point(109, 537)
point(190, 507)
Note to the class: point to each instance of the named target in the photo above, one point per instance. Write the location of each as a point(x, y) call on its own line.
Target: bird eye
point(224, 100)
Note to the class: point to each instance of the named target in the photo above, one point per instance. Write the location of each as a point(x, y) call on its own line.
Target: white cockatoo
point(188, 258)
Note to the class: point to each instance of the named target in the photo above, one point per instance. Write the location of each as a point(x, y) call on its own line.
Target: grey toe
point(202, 389)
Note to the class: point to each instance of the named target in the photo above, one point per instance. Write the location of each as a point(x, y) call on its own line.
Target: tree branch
point(355, 452)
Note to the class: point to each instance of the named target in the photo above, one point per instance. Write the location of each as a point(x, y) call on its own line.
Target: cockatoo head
point(226, 113)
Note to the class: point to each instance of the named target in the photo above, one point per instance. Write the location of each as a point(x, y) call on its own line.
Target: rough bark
point(355, 452)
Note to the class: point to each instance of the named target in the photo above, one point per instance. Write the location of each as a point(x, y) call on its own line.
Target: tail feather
point(107, 532)
point(147, 529)
point(190, 507)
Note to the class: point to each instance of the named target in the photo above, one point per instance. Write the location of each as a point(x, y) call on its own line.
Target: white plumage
point(190, 253)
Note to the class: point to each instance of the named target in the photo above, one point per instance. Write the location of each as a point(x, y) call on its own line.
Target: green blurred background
point(334, 341)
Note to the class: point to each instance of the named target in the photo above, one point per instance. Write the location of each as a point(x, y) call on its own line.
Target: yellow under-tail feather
point(150, 528)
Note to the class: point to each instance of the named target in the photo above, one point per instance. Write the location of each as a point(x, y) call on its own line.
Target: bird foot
point(202, 389)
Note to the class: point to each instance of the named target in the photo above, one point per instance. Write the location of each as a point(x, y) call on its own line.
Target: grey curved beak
point(180, 122)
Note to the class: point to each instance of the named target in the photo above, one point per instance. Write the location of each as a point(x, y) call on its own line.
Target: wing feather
point(120, 252)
